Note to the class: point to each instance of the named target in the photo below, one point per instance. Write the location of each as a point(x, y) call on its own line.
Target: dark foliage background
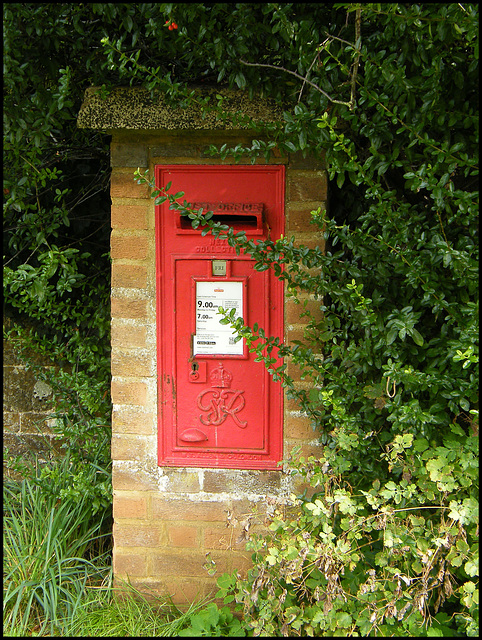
point(388, 94)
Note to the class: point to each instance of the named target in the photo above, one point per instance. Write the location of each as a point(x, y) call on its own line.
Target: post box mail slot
point(217, 406)
point(239, 215)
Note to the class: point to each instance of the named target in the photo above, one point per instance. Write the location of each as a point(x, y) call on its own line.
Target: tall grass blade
point(48, 546)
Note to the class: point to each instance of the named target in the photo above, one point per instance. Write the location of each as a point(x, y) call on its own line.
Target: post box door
point(218, 406)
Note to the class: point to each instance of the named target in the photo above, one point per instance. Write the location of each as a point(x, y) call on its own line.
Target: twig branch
point(317, 55)
point(300, 77)
point(358, 48)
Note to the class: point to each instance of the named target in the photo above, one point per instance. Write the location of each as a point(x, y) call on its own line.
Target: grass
point(46, 565)
point(58, 575)
point(53, 548)
point(105, 614)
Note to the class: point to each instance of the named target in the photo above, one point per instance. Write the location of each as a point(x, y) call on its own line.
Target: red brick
point(132, 479)
point(306, 186)
point(166, 509)
point(129, 393)
point(135, 535)
point(123, 185)
point(126, 308)
point(130, 365)
point(298, 428)
point(241, 562)
point(129, 564)
point(188, 591)
point(128, 448)
point(183, 592)
point(128, 335)
point(129, 507)
point(129, 247)
point(185, 565)
point(126, 420)
point(181, 536)
point(129, 276)
point(129, 216)
point(293, 311)
point(219, 537)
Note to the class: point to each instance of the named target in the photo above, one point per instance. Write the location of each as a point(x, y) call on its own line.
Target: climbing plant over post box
point(389, 541)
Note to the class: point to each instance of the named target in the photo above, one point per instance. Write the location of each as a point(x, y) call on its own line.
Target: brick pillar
point(306, 191)
point(170, 523)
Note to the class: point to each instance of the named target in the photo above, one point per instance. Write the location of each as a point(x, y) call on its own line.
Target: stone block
point(240, 482)
point(128, 154)
point(298, 427)
point(127, 447)
point(183, 480)
point(18, 388)
point(297, 161)
point(299, 219)
point(303, 186)
point(127, 365)
point(295, 313)
point(175, 149)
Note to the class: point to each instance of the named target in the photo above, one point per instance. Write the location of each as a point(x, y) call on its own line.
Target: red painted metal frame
point(220, 411)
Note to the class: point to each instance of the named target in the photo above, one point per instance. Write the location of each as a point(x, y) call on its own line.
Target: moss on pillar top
point(135, 108)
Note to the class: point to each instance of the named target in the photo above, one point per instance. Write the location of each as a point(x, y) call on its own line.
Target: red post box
point(217, 406)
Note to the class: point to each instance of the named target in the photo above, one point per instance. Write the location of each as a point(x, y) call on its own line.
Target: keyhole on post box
point(198, 372)
point(194, 375)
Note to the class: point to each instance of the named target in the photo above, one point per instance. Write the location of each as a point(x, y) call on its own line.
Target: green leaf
point(343, 619)
point(417, 338)
point(391, 336)
point(421, 444)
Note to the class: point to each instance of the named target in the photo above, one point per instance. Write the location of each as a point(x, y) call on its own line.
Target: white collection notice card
point(212, 337)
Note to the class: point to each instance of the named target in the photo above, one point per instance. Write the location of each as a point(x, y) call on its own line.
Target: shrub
point(397, 559)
